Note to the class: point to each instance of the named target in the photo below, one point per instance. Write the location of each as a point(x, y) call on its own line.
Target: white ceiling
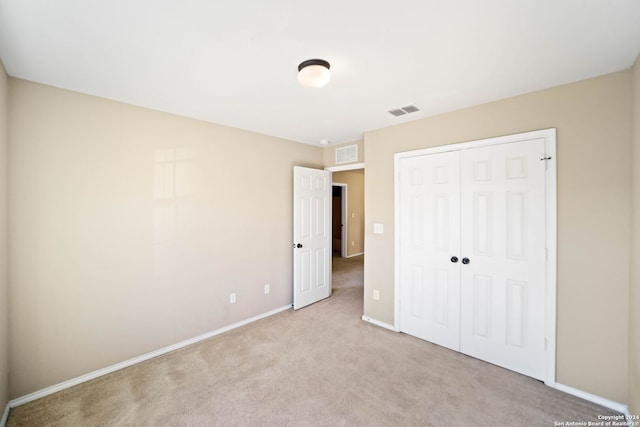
point(235, 62)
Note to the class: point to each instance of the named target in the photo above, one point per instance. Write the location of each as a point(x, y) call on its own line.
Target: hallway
point(348, 272)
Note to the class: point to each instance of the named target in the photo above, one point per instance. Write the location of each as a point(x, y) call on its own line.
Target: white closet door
point(429, 237)
point(503, 238)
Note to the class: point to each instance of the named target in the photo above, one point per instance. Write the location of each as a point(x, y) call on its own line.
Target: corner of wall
point(634, 286)
point(4, 321)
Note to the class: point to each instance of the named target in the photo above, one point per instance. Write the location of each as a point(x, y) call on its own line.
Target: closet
point(475, 223)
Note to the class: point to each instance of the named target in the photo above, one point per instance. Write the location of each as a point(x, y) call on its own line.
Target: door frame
point(345, 213)
point(549, 135)
point(344, 202)
point(350, 167)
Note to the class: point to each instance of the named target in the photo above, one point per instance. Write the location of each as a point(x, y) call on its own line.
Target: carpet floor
point(318, 366)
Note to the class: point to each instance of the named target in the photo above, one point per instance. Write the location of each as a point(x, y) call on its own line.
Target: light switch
point(378, 228)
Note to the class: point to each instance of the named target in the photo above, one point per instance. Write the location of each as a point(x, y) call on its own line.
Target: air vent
point(398, 112)
point(347, 154)
point(410, 108)
point(407, 109)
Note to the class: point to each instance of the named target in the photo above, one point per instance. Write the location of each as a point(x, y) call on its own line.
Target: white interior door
point(429, 238)
point(312, 198)
point(503, 240)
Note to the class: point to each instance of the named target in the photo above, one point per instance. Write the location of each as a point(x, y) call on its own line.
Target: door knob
point(454, 259)
point(298, 245)
point(466, 260)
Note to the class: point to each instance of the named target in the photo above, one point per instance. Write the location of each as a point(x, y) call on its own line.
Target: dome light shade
point(314, 73)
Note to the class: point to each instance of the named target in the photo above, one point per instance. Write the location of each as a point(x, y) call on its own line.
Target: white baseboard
point(619, 407)
point(130, 362)
point(379, 323)
point(3, 421)
point(355, 255)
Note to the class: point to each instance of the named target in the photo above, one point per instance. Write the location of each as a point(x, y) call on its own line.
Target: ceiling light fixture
point(314, 73)
point(324, 142)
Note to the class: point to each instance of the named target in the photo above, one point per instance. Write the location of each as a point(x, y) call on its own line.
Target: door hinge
point(545, 159)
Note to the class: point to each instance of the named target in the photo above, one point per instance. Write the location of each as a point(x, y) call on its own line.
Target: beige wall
point(111, 259)
point(593, 133)
point(130, 228)
point(329, 153)
point(634, 295)
point(355, 205)
point(4, 316)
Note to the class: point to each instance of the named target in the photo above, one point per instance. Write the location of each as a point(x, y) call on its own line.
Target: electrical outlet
point(353, 243)
point(376, 295)
point(267, 289)
point(232, 299)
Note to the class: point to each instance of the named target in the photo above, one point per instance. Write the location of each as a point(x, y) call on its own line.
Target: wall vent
point(407, 109)
point(347, 154)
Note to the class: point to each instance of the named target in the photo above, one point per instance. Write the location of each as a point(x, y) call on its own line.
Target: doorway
point(348, 213)
point(348, 262)
point(348, 228)
point(339, 223)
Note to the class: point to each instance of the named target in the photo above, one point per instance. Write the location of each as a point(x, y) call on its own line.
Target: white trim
point(341, 168)
point(551, 238)
point(506, 139)
point(379, 323)
point(549, 136)
point(396, 238)
point(594, 398)
point(5, 416)
point(355, 255)
point(344, 218)
point(135, 360)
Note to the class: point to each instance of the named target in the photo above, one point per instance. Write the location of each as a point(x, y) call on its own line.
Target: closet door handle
point(454, 259)
point(466, 260)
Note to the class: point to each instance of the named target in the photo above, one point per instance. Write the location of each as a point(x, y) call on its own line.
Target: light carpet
point(318, 366)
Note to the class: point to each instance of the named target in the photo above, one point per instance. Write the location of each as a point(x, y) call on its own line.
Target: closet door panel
point(502, 236)
point(429, 237)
